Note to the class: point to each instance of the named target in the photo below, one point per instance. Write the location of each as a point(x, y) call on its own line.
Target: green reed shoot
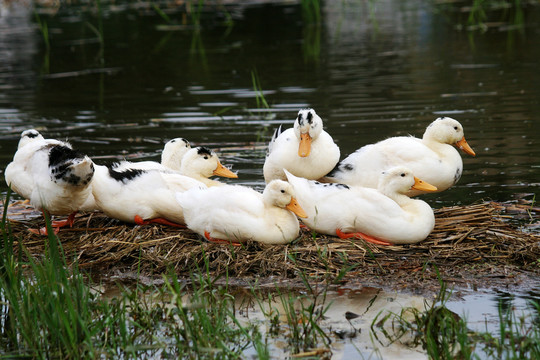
point(259, 93)
point(47, 312)
point(311, 11)
point(161, 13)
point(44, 29)
point(208, 328)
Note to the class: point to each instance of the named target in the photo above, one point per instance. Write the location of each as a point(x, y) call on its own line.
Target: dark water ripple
point(370, 73)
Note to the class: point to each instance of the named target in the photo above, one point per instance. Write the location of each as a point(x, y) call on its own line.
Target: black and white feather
point(50, 174)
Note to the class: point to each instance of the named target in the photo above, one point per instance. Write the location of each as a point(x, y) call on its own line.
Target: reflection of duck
point(373, 214)
point(171, 157)
point(52, 175)
point(238, 213)
point(432, 158)
point(306, 150)
point(140, 196)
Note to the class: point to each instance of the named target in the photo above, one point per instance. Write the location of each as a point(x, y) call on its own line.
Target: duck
point(305, 150)
point(53, 176)
point(144, 196)
point(140, 196)
point(198, 163)
point(171, 160)
point(171, 157)
point(383, 216)
point(235, 214)
point(432, 158)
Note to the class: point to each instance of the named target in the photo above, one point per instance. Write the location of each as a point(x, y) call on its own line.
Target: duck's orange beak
point(305, 145)
point(223, 171)
point(463, 145)
point(296, 208)
point(423, 186)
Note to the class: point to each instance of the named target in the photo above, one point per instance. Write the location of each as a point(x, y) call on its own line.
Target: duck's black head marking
point(310, 117)
point(31, 134)
point(201, 150)
point(300, 119)
point(184, 141)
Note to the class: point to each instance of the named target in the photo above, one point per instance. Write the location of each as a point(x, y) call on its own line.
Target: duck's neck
point(206, 181)
point(401, 199)
point(170, 162)
point(442, 149)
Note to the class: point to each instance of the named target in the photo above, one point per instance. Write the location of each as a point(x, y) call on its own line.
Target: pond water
point(121, 79)
point(368, 336)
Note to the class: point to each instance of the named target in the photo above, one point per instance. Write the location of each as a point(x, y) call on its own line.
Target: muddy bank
point(480, 245)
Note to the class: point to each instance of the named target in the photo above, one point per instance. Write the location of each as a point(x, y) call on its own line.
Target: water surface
point(371, 72)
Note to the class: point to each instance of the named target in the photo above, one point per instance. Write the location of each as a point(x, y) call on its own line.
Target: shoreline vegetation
point(51, 308)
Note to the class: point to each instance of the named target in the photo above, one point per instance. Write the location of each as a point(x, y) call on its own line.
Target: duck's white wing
point(228, 211)
point(276, 134)
point(281, 153)
point(29, 161)
point(330, 206)
point(142, 165)
point(228, 200)
point(364, 166)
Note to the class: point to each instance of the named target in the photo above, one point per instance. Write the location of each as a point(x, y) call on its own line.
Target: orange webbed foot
point(359, 235)
point(139, 221)
point(43, 231)
point(68, 222)
point(220, 241)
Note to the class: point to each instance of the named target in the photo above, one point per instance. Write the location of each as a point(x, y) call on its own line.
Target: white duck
point(141, 196)
point(306, 150)
point(53, 176)
point(201, 163)
point(432, 158)
point(382, 216)
point(198, 163)
point(236, 213)
point(171, 157)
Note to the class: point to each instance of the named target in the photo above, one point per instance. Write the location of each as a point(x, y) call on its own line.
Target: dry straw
point(470, 244)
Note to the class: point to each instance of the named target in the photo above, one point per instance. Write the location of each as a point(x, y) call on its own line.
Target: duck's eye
point(402, 174)
point(206, 157)
point(455, 128)
point(282, 191)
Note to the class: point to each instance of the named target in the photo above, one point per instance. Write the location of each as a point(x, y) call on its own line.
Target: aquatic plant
point(302, 313)
point(311, 11)
point(257, 88)
point(49, 312)
point(445, 335)
point(44, 29)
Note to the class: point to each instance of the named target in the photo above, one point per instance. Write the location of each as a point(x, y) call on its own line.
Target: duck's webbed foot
point(359, 235)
